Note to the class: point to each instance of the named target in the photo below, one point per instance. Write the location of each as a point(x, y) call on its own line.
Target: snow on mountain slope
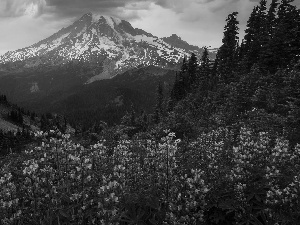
point(109, 41)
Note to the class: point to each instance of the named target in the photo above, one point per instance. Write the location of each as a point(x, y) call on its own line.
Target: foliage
point(62, 182)
point(214, 179)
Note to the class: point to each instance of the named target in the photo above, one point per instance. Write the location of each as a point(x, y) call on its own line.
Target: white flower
point(89, 166)
point(88, 178)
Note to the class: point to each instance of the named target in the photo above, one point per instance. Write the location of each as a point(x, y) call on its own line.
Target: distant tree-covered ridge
point(17, 125)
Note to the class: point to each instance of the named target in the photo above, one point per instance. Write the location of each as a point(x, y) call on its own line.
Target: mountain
point(88, 65)
point(108, 45)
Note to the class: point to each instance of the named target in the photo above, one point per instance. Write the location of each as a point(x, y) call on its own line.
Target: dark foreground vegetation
point(221, 148)
point(21, 125)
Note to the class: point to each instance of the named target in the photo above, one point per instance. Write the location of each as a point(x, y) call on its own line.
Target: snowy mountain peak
point(112, 21)
point(103, 40)
point(175, 36)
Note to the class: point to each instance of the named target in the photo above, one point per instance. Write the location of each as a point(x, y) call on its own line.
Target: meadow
point(149, 181)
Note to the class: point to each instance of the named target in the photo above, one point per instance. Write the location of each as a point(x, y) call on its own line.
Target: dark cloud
point(163, 3)
point(64, 8)
point(75, 8)
point(204, 1)
point(72, 8)
point(71, 4)
point(17, 8)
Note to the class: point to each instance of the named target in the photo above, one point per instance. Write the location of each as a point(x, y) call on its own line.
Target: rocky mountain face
point(108, 45)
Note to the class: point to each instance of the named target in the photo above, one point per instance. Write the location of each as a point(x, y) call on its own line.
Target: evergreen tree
point(173, 94)
point(183, 80)
point(192, 72)
point(245, 89)
point(204, 79)
point(226, 61)
point(132, 117)
point(142, 121)
point(179, 89)
point(283, 47)
point(129, 119)
point(265, 57)
point(271, 18)
point(158, 111)
point(255, 35)
point(184, 66)
point(205, 59)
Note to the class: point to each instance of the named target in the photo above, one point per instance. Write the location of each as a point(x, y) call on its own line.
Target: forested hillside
point(222, 146)
point(18, 125)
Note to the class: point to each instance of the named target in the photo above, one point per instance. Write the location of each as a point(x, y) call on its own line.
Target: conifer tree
point(226, 61)
point(287, 32)
point(179, 89)
point(132, 117)
point(283, 45)
point(271, 17)
point(256, 34)
point(172, 99)
point(266, 53)
point(159, 104)
point(184, 66)
point(183, 79)
point(192, 72)
point(292, 98)
point(204, 79)
point(205, 58)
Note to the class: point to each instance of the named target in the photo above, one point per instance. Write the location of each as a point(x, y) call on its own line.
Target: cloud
point(200, 22)
point(56, 9)
point(75, 8)
point(17, 8)
point(26, 30)
point(177, 6)
point(64, 8)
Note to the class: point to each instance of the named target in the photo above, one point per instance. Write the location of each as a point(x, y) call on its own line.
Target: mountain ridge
point(109, 42)
point(99, 64)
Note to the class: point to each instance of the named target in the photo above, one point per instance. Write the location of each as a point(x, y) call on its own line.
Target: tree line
point(255, 81)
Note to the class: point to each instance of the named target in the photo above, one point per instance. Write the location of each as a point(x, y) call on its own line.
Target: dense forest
point(221, 147)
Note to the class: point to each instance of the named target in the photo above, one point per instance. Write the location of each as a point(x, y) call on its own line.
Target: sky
point(199, 22)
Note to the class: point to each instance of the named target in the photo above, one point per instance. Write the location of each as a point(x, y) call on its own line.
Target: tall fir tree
point(184, 66)
point(204, 78)
point(226, 57)
point(271, 17)
point(265, 56)
point(283, 47)
point(158, 111)
point(192, 72)
point(181, 83)
point(255, 35)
